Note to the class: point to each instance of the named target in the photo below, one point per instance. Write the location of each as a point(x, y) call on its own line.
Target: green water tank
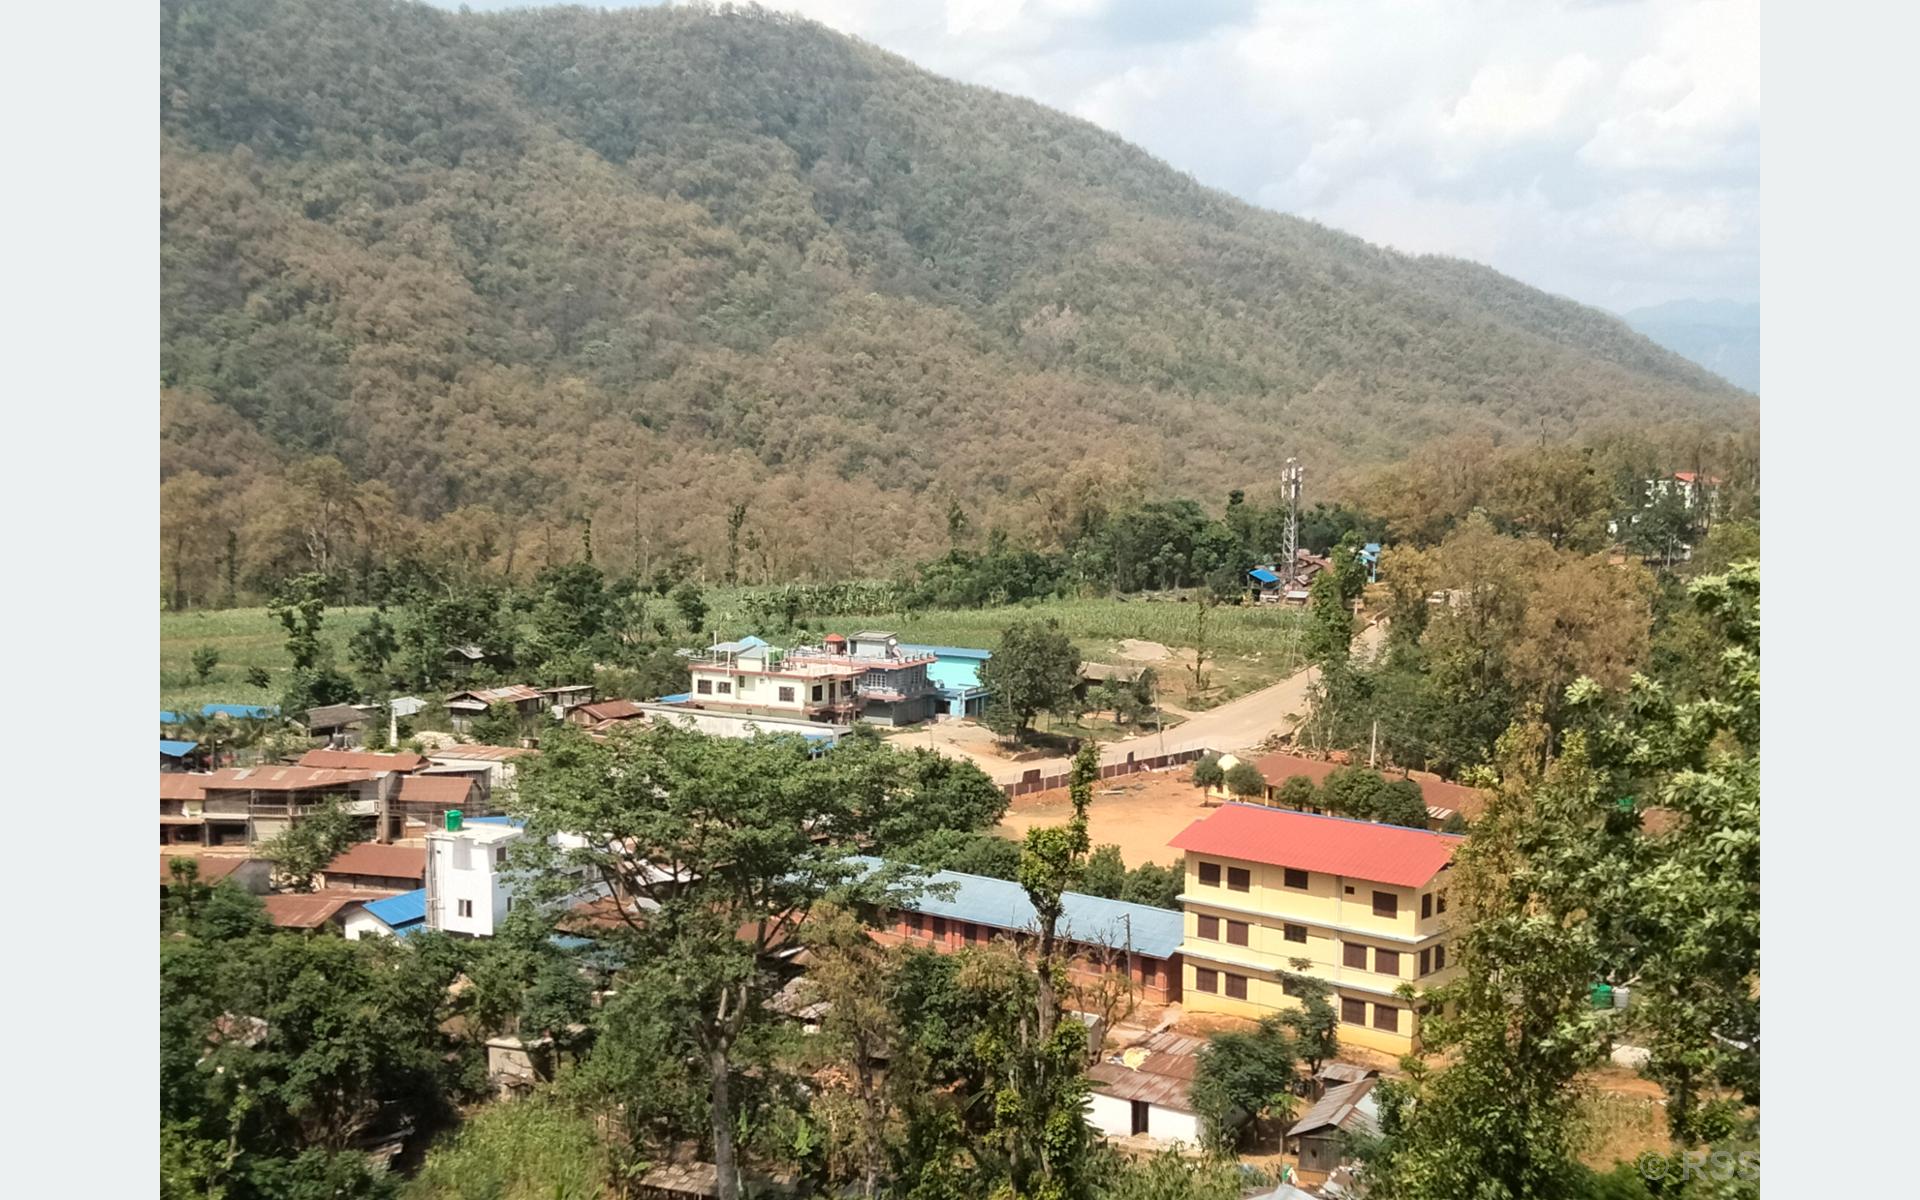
point(454, 816)
point(1600, 995)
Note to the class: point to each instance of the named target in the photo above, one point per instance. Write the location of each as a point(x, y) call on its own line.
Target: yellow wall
point(1332, 919)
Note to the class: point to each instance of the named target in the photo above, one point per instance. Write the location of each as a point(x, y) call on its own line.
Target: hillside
point(516, 271)
point(1720, 335)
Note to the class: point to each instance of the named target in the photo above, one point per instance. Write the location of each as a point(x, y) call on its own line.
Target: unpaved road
point(1236, 725)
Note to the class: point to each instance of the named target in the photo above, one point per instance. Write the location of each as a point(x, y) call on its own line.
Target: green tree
point(373, 646)
point(969, 852)
point(854, 976)
point(259, 678)
point(205, 659)
point(1105, 873)
point(1155, 885)
point(300, 605)
point(1298, 792)
point(1035, 668)
point(1244, 780)
point(691, 604)
point(500, 725)
point(1207, 772)
point(1245, 1075)
point(302, 850)
point(1400, 802)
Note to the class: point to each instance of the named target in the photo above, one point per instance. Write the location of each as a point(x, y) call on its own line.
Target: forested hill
point(518, 270)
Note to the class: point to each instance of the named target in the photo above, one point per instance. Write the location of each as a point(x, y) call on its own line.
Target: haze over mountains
point(1721, 335)
point(527, 268)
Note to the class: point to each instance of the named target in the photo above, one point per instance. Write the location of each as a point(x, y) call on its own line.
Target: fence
point(1034, 781)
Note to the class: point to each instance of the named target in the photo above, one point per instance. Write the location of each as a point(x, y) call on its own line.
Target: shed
point(1145, 1090)
point(389, 916)
point(335, 722)
point(1318, 1135)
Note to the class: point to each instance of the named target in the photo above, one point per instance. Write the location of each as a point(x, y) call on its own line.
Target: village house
point(464, 708)
point(248, 874)
point(370, 867)
point(337, 724)
point(955, 673)
point(1106, 938)
point(867, 677)
point(490, 767)
point(600, 714)
point(564, 699)
point(389, 916)
point(1275, 583)
point(177, 755)
point(314, 910)
point(1319, 1136)
point(467, 887)
point(1361, 907)
point(1145, 1092)
point(183, 817)
point(252, 804)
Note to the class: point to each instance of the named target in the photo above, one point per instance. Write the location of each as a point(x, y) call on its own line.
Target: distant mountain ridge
point(1721, 335)
point(645, 266)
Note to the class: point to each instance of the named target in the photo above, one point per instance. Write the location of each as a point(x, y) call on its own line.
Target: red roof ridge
point(1330, 845)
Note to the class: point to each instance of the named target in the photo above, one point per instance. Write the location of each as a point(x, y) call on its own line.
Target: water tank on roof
point(454, 817)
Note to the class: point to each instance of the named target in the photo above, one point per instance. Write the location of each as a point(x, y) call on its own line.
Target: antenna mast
point(1290, 477)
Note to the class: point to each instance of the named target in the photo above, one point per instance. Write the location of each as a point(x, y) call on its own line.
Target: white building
point(1143, 1092)
point(467, 889)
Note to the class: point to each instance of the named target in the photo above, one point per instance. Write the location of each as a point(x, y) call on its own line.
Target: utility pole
point(1373, 748)
point(1290, 480)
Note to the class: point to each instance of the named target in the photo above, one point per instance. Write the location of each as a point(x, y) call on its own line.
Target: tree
point(1155, 885)
point(1244, 780)
point(300, 605)
point(1400, 802)
point(259, 678)
point(969, 852)
point(1245, 1075)
point(500, 725)
point(205, 659)
point(373, 646)
point(1034, 669)
point(1207, 772)
point(1297, 792)
point(854, 976)
point(1105, 873)
point(722, 847)
point(302, 850)
point(691, 605)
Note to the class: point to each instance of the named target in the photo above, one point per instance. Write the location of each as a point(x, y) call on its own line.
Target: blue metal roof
point(175, 749)
point(168, 717)
point(1264, 575)
point(516, 822)
point(405, 909)
point(1156, 932)
point(676, 698)
point(240, 710)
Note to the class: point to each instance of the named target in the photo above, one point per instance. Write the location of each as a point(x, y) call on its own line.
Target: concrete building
point(1144, 1092)
point(467, 890)
point(1359, 906)
point(867, 677)
point(389, 916)
point(716, 723)
point(955, 673)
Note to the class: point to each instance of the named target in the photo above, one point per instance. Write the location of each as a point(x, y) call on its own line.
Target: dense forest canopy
point(731, 285)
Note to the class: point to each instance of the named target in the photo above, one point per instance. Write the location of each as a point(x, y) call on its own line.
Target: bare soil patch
point(1139, 813)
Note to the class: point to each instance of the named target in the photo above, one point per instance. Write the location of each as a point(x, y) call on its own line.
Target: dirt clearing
point(1139, 813)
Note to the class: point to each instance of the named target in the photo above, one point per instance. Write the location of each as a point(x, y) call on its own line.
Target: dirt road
point(1236, 725)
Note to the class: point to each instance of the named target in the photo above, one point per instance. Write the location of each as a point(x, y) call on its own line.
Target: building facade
point(467, 890)
point(1271, 895)
point(868, 677)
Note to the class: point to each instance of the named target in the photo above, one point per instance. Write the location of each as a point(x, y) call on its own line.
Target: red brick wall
point(1158, 979)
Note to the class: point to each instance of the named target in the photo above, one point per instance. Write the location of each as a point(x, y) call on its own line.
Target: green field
point(1251, 647)
point(245, 637)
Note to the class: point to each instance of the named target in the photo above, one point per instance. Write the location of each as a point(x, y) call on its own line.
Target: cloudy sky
point(1608, 150)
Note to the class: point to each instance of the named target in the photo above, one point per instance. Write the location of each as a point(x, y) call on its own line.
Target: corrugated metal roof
point(407, 706)
point(213, 867)
point(169, 717)
point(434, 789)
point(393, 862)
point(1155, 932)
point(309, 910)
point(183, 785)
point(1159, 1071)
point(1330, 845)
point(405, 909)
point(175, 749)
point(1264, 575)
point(281, 779)
point(478, 753)
point(362, 760)
point(945, 651)
point(1348, 1106)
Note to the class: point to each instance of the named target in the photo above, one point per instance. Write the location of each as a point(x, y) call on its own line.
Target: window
point(1426, 905)
point(786, 695)
point(1386, 904)
point(1210, 874)
point(704, 687)
point(1349, 889)
point(1236, 987)
point(1386, 962)
point(466, 908)
point(816, 691)
point(1353, 954)
point(1236, 933)
point(1209, 928)
point(1295, 879)
point(1439, 958)
point(1239, 879)
point(1296, 933)
point(1206, 980)
point(724, 687)
point(1353, 1012)
point(1387, 1017)
point(940, 927)
point(1426, 962)
point(500, 857)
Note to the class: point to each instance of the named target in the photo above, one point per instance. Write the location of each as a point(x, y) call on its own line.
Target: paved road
point(1236, 725)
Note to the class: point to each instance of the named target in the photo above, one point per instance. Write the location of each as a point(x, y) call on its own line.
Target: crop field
point(245, 637)
point(1249, 647)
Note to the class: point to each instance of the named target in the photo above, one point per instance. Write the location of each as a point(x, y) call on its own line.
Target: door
point(1140, 1110)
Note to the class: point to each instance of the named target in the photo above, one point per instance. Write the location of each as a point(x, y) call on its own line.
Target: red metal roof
point(610, 710)
point(478, 753)
point(362, 760)
point(180, 785)
point(1329, 845)
point(513, 693)
point(310, 910)
point(393, 862)
point(281, 779)
point(213, 867)
point(434, 789)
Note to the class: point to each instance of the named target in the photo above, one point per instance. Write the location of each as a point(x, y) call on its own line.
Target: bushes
point(531, 1149)
point(1245, 781)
